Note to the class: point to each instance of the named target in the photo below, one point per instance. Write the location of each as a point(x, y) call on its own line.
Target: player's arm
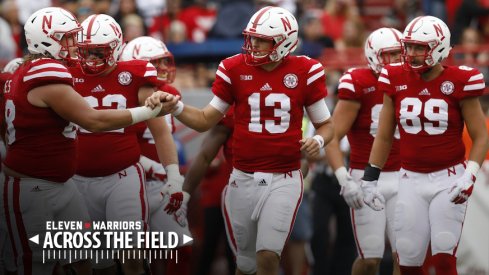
point(165, 146)
point(71, 106)
point(344, 116)
point(201, 119)
point(320, 117)
point(385, 135)
point(211, 144)
point(476, 127)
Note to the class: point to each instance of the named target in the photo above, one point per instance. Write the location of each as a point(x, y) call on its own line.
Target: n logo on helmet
point(439, 31)
point(116, 30)
point(286, 23)
point(136, 50)
point(46, 23)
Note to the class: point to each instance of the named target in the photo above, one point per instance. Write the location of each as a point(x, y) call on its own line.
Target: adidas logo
point(263, 182)
point(36, 189)
point(424, 92)
point(233, 184)
point(405, 176)
point(98, 89)
point(266, 87)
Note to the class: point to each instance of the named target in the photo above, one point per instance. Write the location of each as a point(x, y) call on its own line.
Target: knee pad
point(246, 264)
point(408, 254)
point(443, 242)
point(373, 246)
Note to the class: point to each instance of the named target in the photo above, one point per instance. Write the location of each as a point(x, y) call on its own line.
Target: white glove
point(173, 189)
point(462, 189)
point(181, 214)
point(371, 195)
point(350, 191)
point(152, 169)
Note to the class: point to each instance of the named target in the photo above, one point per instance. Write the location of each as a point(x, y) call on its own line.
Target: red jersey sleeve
point(384, 82)
point(46, 71)
point(316, 83)
point(347, 88)
point(222, 86)
point(472, 82)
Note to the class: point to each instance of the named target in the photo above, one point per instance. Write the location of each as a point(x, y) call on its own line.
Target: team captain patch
point(124, 78)
point(290, 81)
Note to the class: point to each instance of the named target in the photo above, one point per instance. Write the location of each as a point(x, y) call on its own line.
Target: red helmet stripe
point(412, 26)
point(395, 34)
point(257, 19)
point(90, 25)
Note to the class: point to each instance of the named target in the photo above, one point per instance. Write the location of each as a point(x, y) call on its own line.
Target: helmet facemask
point(419, 61)
point(165, 67)
point(96, 59)
point(255, 57)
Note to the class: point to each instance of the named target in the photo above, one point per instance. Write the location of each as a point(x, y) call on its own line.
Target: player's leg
point(446, 219)
point(411, 221)
point(277, 219)
point(239, 200)
point(369, 233)
point(389, 188)
point(95, 192)
point(70, 206)
point(128, 202)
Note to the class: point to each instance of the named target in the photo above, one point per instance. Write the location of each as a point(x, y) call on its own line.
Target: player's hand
point(371, 195)
point(351, 192)
point(310, 146)
point(167, 101)
point(173, 189)
point(462, 189)
point(180, 215)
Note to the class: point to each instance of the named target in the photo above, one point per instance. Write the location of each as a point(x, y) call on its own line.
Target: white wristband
point(472, 167)
point(143, 113)
point(179, 109)
point(172, 169)
point(320, 140)
point(340, 174)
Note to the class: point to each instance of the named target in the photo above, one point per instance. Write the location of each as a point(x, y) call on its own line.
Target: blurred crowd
point(338, 25)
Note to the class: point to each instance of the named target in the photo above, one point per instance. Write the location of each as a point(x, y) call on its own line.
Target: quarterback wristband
point(472, 167)
point(179, 109)
point(320, 140)
point(371, 173)
point(340, 173)
point(143, 113)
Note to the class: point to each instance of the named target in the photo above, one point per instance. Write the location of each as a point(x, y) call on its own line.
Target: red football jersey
point(117, 149)
point(145, 138)
point(268, 109)
point(428, 114)
point(41, 144)
point(360, 85)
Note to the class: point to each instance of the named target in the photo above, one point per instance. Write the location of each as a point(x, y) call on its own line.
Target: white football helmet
point(13, 65)
point(275, 24)
point(100, 44)
point(45, 29)
point(427, 31)
point(379, 42)
point(155, 51)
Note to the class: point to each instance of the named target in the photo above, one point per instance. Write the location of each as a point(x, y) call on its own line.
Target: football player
point(41, 110)
point(357, 115)
point(155, 51)
point(430, 103)
point(269, 89)
point(112, 183)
